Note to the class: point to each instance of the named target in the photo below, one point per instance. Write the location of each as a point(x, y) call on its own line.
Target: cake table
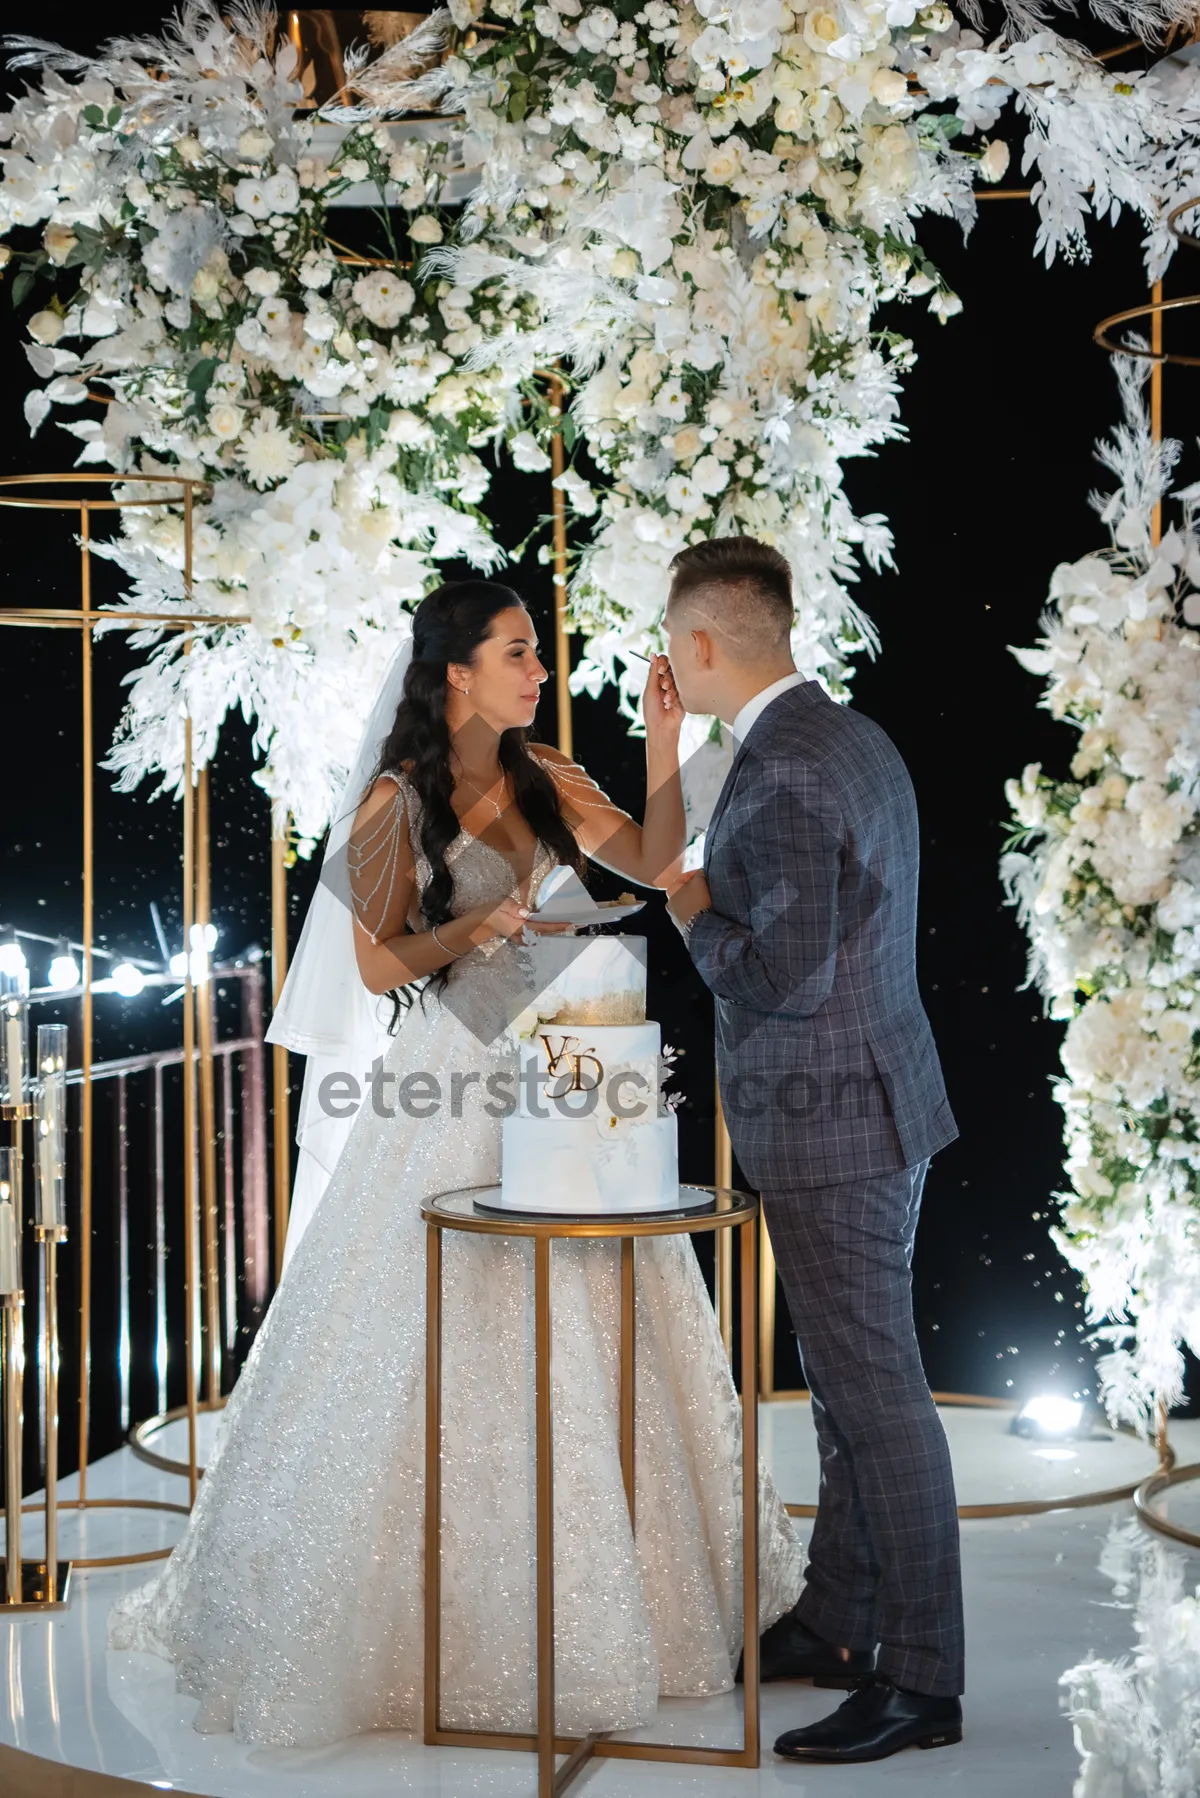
point(702, 1208)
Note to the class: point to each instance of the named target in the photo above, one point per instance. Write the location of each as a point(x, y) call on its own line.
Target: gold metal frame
point(1149, 1490)
point(734, 1211)
point(1154, 310)
point(177, 490)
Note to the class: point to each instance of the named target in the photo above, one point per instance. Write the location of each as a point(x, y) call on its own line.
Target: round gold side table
point(702, 1208)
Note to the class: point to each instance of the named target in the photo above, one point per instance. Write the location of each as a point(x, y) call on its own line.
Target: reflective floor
point(1044, 1595)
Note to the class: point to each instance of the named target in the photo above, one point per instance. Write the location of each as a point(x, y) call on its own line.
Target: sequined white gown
point(292, 1608)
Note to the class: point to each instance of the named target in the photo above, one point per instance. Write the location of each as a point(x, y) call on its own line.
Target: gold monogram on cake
point(570, 1054)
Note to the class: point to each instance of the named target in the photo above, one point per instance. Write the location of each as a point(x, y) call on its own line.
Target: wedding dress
point(293, 1606)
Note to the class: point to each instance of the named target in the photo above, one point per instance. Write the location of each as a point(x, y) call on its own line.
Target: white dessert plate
point(597, 912)
point(563, 899)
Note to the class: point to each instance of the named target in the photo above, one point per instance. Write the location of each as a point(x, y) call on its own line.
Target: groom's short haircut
point(738, 588)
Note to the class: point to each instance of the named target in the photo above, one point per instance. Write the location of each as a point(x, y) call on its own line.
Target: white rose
point(224, 420)
point(189, 150)
point(687, 443)
point(282, 192)
point(889, 87)
point(407, 429)
point(425, 229)
point(624, 265)
point(994, 161)
point(710, 475)
point(59, 241)
point(262, 281)
point(1174, 1030)
point(385, 298)
point(596, 27)
point(724, 161)
point(822, 28)
point(354, 169)
point(45, 327)
point(254, 144)
point(205, 286)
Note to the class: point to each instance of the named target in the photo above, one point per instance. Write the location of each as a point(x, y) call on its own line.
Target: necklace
point(497, 809)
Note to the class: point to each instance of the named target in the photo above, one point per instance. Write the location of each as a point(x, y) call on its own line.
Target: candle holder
point(14, 1038)
point(27, 1585)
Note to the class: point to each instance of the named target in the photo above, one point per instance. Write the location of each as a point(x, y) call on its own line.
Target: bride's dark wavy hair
point(448, 626)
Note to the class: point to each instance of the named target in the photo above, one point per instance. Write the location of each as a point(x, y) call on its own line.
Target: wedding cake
point(592, 1131)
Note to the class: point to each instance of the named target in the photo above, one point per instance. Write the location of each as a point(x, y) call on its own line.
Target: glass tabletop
point(476, 1208)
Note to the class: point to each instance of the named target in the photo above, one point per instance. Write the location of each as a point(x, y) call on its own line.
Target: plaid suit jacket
point(827, 1064)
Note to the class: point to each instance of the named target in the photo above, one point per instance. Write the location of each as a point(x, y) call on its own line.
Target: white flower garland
point(1109, 892)
point(709, 203)
point(697, 209)
point(323, 400)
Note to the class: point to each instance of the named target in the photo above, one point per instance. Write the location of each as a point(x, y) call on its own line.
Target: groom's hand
point(690, 896)
point(662, 708)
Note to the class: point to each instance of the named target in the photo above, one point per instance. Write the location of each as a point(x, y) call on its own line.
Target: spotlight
point(64, 969)
point(128, 980)
point(1052, 1418)
point(12, 960)
point(178, 963)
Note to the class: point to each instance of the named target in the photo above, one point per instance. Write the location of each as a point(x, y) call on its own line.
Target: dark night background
point(986, 496)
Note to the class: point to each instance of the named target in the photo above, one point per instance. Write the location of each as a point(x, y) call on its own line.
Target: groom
point(803, 925)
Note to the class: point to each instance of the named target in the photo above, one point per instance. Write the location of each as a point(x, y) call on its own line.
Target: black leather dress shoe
point(876, 1720)
point(789, 1651)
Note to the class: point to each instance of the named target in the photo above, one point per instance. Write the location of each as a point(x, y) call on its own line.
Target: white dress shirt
point(753, 707)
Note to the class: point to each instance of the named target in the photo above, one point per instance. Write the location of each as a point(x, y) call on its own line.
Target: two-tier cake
point(592, 1131)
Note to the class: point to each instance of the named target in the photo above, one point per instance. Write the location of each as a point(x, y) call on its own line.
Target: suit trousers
point(884, 1559)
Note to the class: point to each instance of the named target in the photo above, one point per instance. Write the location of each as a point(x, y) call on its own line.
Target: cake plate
point(702, 1208)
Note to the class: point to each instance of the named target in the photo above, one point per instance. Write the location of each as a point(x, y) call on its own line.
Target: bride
point(293, 1606)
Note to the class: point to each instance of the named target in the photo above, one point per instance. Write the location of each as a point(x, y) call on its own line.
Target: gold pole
point(208, 1127)
point(189, 1045)
point(545, 1518)
point(279, 1055)
point(85, 1056)
point(628, 1397)
point(766, 1312)
point(1156, 396)
point(433, 1478)
point(562, 643)
point(189, 1103)
point(724, 1244)
point(10, 1349)
point(751, 1735)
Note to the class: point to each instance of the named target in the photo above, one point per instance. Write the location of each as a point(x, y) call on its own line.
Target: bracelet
point(685, 930)
point(455, 954)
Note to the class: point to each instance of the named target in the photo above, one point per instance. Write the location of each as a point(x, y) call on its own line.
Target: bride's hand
point(509, 918)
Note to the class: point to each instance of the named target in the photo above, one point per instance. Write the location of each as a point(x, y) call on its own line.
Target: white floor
point(1037, 1603)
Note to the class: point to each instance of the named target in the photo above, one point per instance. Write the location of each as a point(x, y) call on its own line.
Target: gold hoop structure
point(1149, 1490)
point(181, 490)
